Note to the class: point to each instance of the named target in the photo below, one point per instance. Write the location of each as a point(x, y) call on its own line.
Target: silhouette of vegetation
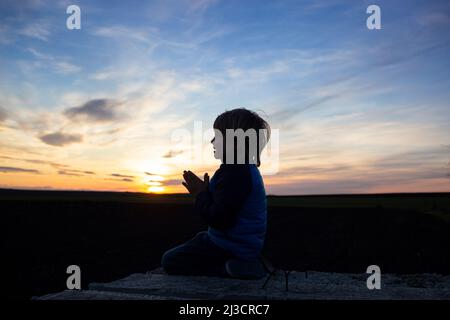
point(111, 235)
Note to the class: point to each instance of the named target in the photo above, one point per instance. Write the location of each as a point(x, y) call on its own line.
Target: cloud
point(5, 35)
point(200, 5)
point(121, 176)
point(114, 73)
point(362, 183)
point(434, 18)
point(186, 10)
point(149, 38)
point(171, 182)
point(422, 163)
point(66, 67)
point(352, 84)
point(60, 139)
point(96, 110)
point(121, 180)
point(3, 115)
point(20, 7)
point(67, 173)
point(63, 169)
point(412, 169)
point(172, 153)
point(23, 187)
point(316, 6)
point(37, 161)
point(120, 32)
point(88, 172)
point(314, 170)
point(288, 114)
point(74, 172)
point(18, 170)
point(154, 177)
point(57, 64)
point(387, 55)
point(37, 30)
point(26, 120)
point(39, 55)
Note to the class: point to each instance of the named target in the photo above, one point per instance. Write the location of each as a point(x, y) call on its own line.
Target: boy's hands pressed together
point(194, 184)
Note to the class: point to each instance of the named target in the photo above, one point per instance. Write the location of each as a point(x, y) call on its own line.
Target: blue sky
point(357, 110)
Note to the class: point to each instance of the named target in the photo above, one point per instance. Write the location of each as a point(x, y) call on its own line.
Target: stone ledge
point(313, 285)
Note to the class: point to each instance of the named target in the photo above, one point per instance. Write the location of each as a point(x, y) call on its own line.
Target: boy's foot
point(246, 269)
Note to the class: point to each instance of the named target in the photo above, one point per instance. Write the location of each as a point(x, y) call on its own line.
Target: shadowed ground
point(311, 286)
point(111, 236)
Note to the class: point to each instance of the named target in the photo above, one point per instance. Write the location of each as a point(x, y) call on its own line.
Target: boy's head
point(241, 135)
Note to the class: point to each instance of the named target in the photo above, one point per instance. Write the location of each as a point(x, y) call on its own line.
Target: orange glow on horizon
point(156, 189)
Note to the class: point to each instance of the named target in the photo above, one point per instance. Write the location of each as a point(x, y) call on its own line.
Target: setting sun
point(155, 189)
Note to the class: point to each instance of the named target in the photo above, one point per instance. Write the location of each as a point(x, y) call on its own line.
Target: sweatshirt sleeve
point(220, 208)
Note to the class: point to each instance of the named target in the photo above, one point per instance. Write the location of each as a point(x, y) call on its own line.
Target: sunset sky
point(358, 110)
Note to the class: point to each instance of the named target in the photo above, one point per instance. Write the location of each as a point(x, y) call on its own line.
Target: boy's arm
point(220, 208)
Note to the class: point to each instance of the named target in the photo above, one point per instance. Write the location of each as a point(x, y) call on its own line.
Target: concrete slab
point(301, 285)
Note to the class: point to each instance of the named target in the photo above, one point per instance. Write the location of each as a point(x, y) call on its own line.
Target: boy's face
point(216, 145)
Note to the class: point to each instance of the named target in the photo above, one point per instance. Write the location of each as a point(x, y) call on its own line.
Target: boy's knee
point(167, 260)
point(201, 234)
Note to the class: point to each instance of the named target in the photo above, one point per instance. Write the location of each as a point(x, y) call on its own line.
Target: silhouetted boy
point(233, 204)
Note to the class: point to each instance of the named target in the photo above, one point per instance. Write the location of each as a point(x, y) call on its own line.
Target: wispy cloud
point(68, 173)
point(120, 180)
point(434, 18)
point(396, 171)
point(60, 139)
point(200, 6)
point(5, 35)
point(121, 32)
point(40, 31)
point(171, 182)
point(172, 153)
point(59, 65)
point(3, 115)
point(64, 67)
point(75, 172)
point(101, 110)
point(121, 175)
point(17, 170)
point(179, 10)
point(36, 161)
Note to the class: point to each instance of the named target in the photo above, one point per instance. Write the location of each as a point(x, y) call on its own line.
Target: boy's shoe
point(246, 269)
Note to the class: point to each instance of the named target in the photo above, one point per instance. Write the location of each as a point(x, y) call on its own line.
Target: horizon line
point(268, 195)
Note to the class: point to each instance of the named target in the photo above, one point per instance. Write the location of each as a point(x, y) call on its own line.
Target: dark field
point(110, 235)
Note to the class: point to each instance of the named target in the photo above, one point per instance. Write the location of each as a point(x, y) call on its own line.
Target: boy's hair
point(244, 119)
